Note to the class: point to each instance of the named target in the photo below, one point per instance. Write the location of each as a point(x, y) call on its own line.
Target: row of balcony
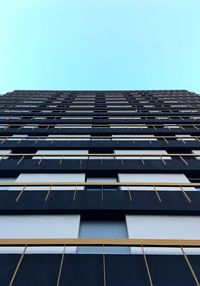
point(98, 200)
point(109, 162)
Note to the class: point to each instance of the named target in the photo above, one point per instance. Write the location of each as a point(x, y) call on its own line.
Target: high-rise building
point(100, 188)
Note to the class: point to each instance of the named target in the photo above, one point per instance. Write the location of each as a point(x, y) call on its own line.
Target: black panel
point(95, 204)
point(169, 270)
point(84, 269)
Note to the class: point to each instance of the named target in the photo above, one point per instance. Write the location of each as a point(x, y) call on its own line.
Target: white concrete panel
point(171, 126)
point(51, 178)
point(154, 227)
point(32, 126)
point(39, 226)
point(73, 126)
point(185, 137)
point(4, 152)
point(78, 111)
point(134, 138)
point(5, 126)
point(196, 152)
point(70, 152)
point(122, 111)
point(128, 126)
point(162, 118)
point(10, 117)
point(80, 106)
point(195, 117)
point(59, 137)
point(125, 118)
point(154, 178)
point(142, 152)
point(17, 137)
point(189, 110)
point(119, 106)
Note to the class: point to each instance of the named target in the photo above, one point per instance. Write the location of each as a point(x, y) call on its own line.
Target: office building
point(100, 188)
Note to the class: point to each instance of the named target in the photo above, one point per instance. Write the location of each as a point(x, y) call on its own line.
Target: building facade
point(100, 188)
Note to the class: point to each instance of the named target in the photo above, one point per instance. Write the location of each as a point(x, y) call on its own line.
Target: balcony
point(127, 198)
point(102, 270)
point(108, 162)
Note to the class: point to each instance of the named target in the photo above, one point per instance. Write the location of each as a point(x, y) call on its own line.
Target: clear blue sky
point(99, 44)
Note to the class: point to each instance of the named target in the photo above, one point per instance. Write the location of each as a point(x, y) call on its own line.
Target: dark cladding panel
point(90, 270)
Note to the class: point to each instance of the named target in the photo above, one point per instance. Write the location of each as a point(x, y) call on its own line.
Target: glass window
point(103, 229)
point(103, 180)
point(8, 180)
point(100, 157)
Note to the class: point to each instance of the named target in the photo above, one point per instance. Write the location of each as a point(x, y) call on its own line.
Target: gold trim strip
point(128, 184)
point(98, 241)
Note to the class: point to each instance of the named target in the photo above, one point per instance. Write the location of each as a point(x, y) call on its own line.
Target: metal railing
point(139, 125)
point(141, 243)
point(170, 117)
point(129, 187)
point(102, 156)
point(88, 137)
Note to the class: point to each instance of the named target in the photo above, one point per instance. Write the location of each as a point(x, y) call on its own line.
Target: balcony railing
point(116, 138)
point(142, 243)
point(117, 125)
point(147, 117)
point(129, 187)
point(101, 156)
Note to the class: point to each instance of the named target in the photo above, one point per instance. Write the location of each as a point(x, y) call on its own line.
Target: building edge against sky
point(100, 188)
